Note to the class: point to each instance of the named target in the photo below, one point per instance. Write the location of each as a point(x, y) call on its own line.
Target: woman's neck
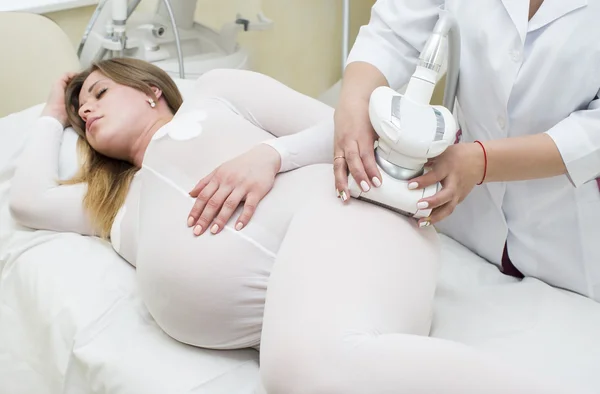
point(139, 146)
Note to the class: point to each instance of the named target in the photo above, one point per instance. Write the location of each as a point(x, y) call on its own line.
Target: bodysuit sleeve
point(37, 200)
point(302, 126)
point(310, 146)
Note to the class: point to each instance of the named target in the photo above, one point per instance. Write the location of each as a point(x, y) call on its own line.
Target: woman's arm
point(37, 200)
point(302, 126)
point(311, 146)
point(303, 134)
point(262, 100)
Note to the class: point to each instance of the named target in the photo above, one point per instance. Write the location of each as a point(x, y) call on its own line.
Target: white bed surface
point(69, 310)
point(71, 321)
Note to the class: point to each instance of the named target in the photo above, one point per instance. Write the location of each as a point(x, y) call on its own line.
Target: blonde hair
point(108, 179)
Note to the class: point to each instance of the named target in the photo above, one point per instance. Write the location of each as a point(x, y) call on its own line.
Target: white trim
point(227, 227)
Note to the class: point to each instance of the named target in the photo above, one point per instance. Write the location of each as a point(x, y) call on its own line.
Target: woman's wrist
point(271, 155)
point(56, 113)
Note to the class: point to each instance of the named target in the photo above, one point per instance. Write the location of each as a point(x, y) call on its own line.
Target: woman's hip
point(210, 290)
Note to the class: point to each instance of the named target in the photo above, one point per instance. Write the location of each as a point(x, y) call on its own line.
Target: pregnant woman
point(337, 297)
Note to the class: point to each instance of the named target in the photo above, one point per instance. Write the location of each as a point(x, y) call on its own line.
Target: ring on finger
point(338, 157)
point(425, 223)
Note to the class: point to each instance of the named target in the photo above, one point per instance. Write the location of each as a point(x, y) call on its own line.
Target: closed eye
point(100, 93)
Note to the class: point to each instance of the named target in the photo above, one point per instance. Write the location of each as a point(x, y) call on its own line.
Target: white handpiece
point(410, 129)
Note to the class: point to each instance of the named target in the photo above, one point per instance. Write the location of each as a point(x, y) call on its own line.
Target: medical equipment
point(410, 130)
point(169, 37)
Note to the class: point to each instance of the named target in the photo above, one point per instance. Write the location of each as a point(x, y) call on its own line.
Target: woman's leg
point(348, 309)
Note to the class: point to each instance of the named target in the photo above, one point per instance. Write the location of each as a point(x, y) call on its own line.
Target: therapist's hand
point(458, 169)
point(248, 177)
point(354, 148)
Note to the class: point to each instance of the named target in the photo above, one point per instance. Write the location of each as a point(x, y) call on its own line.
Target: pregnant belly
point(206, 291)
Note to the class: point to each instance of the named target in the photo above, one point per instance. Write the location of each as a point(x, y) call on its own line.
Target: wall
point(73, 21)
point(303, 50)
point(304, 47)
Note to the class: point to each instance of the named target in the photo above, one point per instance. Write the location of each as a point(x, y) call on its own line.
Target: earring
point(152, 103)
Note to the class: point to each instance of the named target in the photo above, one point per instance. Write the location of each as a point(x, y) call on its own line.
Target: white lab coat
point(517, 77)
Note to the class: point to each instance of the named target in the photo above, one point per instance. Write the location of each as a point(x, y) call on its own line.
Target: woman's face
point(114, 115)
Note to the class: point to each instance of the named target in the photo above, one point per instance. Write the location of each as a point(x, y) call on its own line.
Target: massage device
point(410, 130)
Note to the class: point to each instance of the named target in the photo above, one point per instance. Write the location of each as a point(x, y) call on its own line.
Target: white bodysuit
point(350, 287)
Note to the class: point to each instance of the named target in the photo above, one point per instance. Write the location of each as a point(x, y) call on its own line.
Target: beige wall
point(73, 21)
point(304, 47)
point(303, 50)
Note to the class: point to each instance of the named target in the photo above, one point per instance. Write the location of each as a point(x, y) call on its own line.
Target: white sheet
point(71, 320)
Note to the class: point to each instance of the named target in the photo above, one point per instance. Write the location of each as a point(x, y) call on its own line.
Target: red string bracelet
point(485, 161)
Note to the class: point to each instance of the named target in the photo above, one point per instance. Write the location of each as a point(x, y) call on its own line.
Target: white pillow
point(14, 130)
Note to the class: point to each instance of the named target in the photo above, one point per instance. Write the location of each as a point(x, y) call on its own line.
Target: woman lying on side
point(350, 287)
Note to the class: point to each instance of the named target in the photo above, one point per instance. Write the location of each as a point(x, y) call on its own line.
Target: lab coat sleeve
point(311, 146)
point(37, 200)
point(395, 36)
point(578, 140)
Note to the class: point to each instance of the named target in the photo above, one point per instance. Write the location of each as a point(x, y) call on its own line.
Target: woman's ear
point(157, 92)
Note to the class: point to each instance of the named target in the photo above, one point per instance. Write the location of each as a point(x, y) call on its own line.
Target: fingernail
point(413, 185)
point(337, 192)
point(197, 229)
point(190, 221)
point(214, 228)
point(376, 181)
point(423, 205)
point(239, 226)
point(426, 223)
point(343, 195)
point(364, 185)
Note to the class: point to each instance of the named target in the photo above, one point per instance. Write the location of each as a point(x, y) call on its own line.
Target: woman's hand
point(459, 169)
point(55, 105)
point(354, 148)
point(248, 177)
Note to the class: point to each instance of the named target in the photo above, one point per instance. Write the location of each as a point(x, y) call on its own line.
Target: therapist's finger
point(439, 214)
point(438, 199)
point(201, 200)
point(356, 167)
point(429, 178)
point(229, 206)
point(340, 170)
point(368, 160)
point(211, 208)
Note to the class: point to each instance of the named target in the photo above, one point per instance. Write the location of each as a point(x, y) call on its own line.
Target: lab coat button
point(501, 122)
point(515, 55)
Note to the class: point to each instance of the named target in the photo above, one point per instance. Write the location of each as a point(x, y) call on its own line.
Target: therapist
point(525, 197)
